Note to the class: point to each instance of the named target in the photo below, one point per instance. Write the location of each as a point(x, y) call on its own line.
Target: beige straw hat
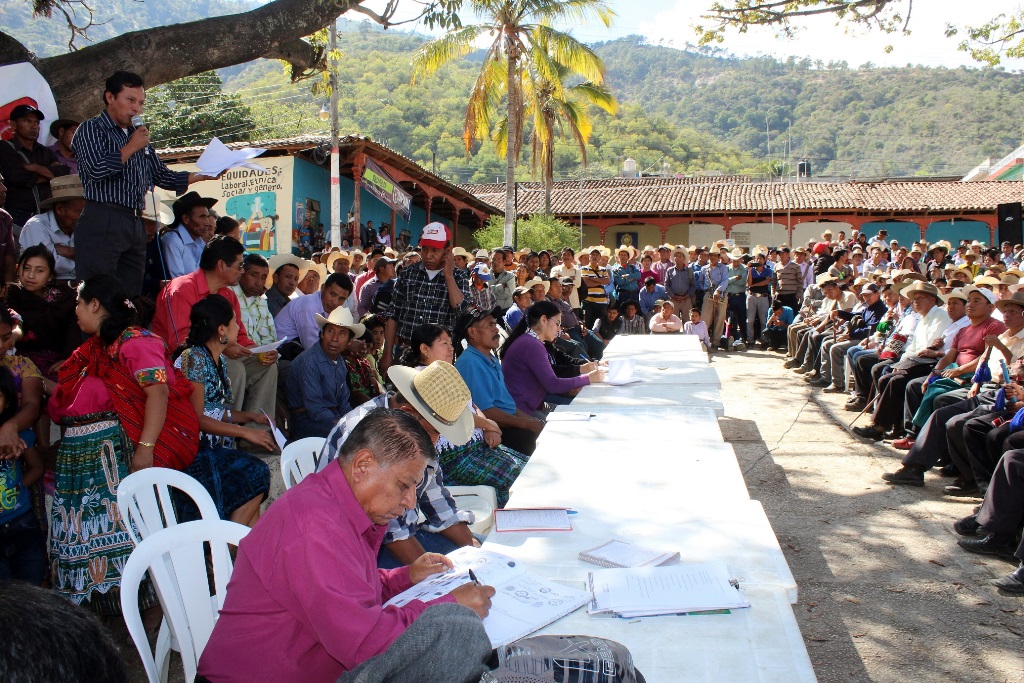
point(440, 395)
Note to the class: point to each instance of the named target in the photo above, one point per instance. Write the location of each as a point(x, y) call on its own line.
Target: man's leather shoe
point(871, 432)
point(855, 405)
point(893, 434)
point(968, 526)
point(906, 476)
point(819, 382)
point(961, 488)
point(949, 470)
point(1000, 545)
point(1011, 583)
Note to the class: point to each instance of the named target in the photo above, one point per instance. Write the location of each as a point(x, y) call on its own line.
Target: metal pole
point(335, 162)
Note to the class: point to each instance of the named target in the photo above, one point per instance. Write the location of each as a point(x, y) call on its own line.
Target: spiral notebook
point(622, 555)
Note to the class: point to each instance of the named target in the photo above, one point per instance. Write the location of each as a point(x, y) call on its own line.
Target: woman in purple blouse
point(524, 360)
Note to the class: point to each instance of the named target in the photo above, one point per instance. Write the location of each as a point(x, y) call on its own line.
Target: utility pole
point(335, 161)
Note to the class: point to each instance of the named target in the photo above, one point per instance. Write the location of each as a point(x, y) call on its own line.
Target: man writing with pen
point(307, 590)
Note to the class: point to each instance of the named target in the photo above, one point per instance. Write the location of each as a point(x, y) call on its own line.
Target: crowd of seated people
point(473, 347)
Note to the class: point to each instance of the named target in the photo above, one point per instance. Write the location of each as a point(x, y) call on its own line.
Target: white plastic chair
point(299, 459)
point(144, 501)
point(176, 563)
point(482, 501)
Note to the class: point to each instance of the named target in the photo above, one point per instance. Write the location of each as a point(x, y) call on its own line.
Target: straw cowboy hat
point(1017, 298)
point(342, 317)
point(942, 245)
point(318, 268)
point(334, 257)
point(630, 249)
point(924, 287)
point(63, 189)
point(826, 278)
point(530, 284)
point(987, 280)
point(736, 254)
point(440, 395)
point(153, 210)
point(459, 251)
point(957, 293)
point(278, 260)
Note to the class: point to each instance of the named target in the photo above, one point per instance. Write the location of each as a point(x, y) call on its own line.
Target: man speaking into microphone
point(118, 167)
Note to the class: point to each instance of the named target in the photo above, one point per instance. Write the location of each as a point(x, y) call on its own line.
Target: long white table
point(697, 424)
point(646, 395)
point(650, 467)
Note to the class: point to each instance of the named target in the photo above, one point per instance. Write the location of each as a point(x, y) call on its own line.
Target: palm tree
point(524, 46)
point(561, 109)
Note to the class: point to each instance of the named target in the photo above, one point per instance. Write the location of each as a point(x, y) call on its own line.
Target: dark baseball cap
point(872, 287)
point(23, 110)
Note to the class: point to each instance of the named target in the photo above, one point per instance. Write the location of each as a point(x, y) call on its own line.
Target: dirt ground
point(885, 592)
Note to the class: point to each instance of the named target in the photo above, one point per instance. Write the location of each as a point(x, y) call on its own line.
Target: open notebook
point(523, 603)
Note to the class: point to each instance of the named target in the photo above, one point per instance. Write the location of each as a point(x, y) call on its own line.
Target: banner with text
point(380, 185)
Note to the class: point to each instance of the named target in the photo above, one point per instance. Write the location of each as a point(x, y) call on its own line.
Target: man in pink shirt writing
point(305, 600)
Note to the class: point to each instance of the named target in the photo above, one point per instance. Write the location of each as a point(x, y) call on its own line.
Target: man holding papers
point(306, 589)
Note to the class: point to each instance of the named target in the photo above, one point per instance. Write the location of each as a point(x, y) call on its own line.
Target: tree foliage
point(1002, 35)
point(535, 232)
point(525, 49)
point(191, 110)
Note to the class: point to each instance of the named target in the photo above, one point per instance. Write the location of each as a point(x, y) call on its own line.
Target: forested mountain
point(847, 121)
point(694, 110)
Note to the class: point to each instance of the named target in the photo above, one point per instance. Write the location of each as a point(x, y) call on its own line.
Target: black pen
point(473, 578)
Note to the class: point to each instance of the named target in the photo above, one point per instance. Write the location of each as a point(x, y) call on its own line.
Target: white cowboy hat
point(530, 284)
point(440, 395)
point(278, 260)
point(342, 317)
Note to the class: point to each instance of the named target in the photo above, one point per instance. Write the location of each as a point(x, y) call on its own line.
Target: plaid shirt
point(432, 498)
point(256, 317)
point(483, 299)
point(418, 300)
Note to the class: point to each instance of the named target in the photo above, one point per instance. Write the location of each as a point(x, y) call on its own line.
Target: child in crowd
point(608, 325)
point(700, 328)
point(632, 321)
point(665, 320)
point(22, 550)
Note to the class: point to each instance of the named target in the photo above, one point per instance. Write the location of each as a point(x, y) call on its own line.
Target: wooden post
point(357, 180)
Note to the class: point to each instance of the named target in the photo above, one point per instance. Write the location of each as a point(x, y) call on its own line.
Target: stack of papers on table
point(620, 372)
point(653, 591)
point(522, 603)
point(616, 553)
point(532, 519)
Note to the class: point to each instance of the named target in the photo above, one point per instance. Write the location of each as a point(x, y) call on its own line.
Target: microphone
point(137, 122)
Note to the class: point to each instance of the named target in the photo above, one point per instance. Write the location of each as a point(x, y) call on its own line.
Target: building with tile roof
point(655, 210)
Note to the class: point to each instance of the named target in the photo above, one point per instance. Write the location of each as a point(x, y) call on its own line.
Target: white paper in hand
point(278, 436)
point(217, 158)
point(621, 372)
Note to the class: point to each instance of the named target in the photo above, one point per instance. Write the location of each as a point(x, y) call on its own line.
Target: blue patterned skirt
point(232, 478)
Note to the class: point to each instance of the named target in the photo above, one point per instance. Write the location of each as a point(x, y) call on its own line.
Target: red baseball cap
point(434, 235)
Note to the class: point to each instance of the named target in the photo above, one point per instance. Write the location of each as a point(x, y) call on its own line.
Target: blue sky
point(670, 22)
